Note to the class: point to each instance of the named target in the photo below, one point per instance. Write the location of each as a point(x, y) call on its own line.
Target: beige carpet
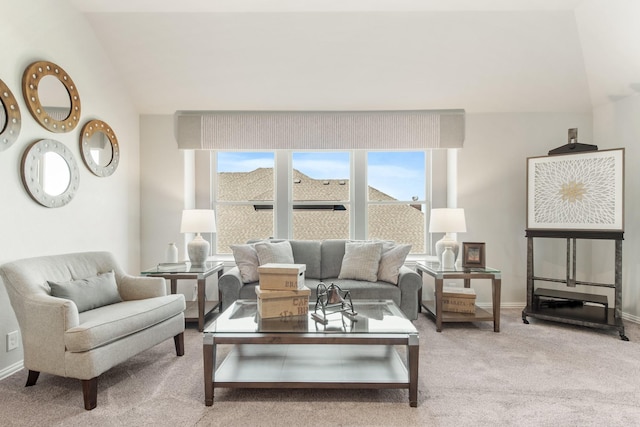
point(541, 374)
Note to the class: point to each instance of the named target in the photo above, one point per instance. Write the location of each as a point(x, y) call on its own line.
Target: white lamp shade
point(447, 220)
point(198, 221)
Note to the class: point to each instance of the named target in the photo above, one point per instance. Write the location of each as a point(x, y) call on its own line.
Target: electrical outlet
point(12, 340)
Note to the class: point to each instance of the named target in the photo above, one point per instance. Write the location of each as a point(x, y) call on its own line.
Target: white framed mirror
point(10, 119)
point(99, 148)
point(50, 173)
point(51, 96)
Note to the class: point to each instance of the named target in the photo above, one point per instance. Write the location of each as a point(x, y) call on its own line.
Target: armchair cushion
point(89, 293)
point(107, 324)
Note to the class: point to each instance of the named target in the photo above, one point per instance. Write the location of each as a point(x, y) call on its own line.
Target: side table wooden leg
point(439, 284)
point(497, 284)
point(202, 283)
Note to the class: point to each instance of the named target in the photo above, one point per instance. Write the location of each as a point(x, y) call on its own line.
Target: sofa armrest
point(43, 334)
point(229, 285)
point(409, 283)
point(140, 287)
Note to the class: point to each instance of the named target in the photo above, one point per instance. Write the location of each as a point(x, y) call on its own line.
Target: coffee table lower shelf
point(312, 366)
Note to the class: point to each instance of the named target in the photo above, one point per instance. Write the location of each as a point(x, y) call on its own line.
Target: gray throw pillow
point(89, 293)
point(361, 261)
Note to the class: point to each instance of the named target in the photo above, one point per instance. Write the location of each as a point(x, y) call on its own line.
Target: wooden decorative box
point(272, 304)
point(281, 276)
point(458, 300)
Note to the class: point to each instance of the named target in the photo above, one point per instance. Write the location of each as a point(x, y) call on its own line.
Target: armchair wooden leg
point(90, 393)
point(32, 378)
point(179, 342)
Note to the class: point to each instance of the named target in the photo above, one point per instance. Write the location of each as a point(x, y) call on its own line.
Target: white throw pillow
point(278, 252)
point(393, 257)
point(361, 261)
point(246, 259)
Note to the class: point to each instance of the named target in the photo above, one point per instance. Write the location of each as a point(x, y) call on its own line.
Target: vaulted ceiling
point(479, 55)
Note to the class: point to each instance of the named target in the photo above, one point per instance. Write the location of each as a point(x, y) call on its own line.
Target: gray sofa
point(323, 260)
point(107, 315)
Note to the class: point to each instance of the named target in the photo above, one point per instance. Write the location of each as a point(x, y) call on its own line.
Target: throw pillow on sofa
point(361, 261)
point(246, 259)
point(278, 252)
point(89, 293)
point(392, 258)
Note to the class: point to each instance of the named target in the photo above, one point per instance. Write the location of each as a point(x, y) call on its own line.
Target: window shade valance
point(320, 130)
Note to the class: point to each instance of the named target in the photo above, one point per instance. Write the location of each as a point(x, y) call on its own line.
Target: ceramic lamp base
point(198, 250)
point(441, 244)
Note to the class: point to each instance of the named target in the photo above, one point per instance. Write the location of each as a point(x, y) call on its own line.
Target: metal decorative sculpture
point(330, 300)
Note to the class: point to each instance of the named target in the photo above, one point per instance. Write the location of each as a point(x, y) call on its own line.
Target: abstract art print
point(583, 191)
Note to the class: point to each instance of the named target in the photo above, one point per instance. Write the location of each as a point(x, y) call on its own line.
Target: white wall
point(105, 213)
point(492, 187)
point(617, 125)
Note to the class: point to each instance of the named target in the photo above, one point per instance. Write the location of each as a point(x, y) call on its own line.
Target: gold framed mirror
point(51, 96)
point(10, 119)
point(50, 173)
point(99, 147)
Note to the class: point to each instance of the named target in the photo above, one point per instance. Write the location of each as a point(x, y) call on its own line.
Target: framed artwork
point(582, 191)
point(473, 255)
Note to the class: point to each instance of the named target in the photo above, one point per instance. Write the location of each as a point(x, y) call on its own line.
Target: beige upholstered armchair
point(80, 315)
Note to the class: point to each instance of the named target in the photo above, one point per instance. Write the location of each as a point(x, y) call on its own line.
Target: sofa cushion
point(308, 252)
point(392, 258)
point(246, 259)
point(109, 323)
point(278, 252)
point(361, 261)
point(331, 259)
point(88, 293)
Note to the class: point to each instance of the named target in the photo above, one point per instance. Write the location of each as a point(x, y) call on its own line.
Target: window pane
point(247, 179)
point(245, 176)
point(402, 223)
point(318, 224)
point(321, 176)
point(396, 175)
point(236, 224)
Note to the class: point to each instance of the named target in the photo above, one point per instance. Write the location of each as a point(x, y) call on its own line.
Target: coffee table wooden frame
point(368, 377)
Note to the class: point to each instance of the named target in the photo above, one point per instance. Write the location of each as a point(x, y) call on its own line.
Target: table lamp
point(198, 221)
point(448, 221)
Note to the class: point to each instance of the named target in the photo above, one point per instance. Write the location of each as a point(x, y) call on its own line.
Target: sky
point(398, 174)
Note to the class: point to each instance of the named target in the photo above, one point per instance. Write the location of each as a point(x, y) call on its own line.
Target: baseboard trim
point(11, 369)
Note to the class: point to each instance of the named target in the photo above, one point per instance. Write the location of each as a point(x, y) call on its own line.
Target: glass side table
point(196, 310)
point(434, 307)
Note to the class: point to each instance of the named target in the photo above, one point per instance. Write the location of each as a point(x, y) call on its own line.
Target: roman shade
point(319, 130)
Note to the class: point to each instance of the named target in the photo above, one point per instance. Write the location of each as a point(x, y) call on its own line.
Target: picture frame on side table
point(473, 255)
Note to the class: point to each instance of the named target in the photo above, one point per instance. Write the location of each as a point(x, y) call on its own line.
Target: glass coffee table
point(348, 352)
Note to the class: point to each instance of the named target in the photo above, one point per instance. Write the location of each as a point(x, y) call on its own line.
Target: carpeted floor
point(541, 374)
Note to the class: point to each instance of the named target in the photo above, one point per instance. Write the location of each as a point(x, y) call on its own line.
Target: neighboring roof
point(239, 223)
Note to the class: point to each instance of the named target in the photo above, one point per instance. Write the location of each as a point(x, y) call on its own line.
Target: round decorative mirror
point(99, 147)
point(9, 117)
point(51, 96)
point(50, 173)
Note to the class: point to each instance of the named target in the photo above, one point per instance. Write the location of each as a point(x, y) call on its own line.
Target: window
point(397, 199)
point(243, 198)
point(321, 195)
point(320, 188)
